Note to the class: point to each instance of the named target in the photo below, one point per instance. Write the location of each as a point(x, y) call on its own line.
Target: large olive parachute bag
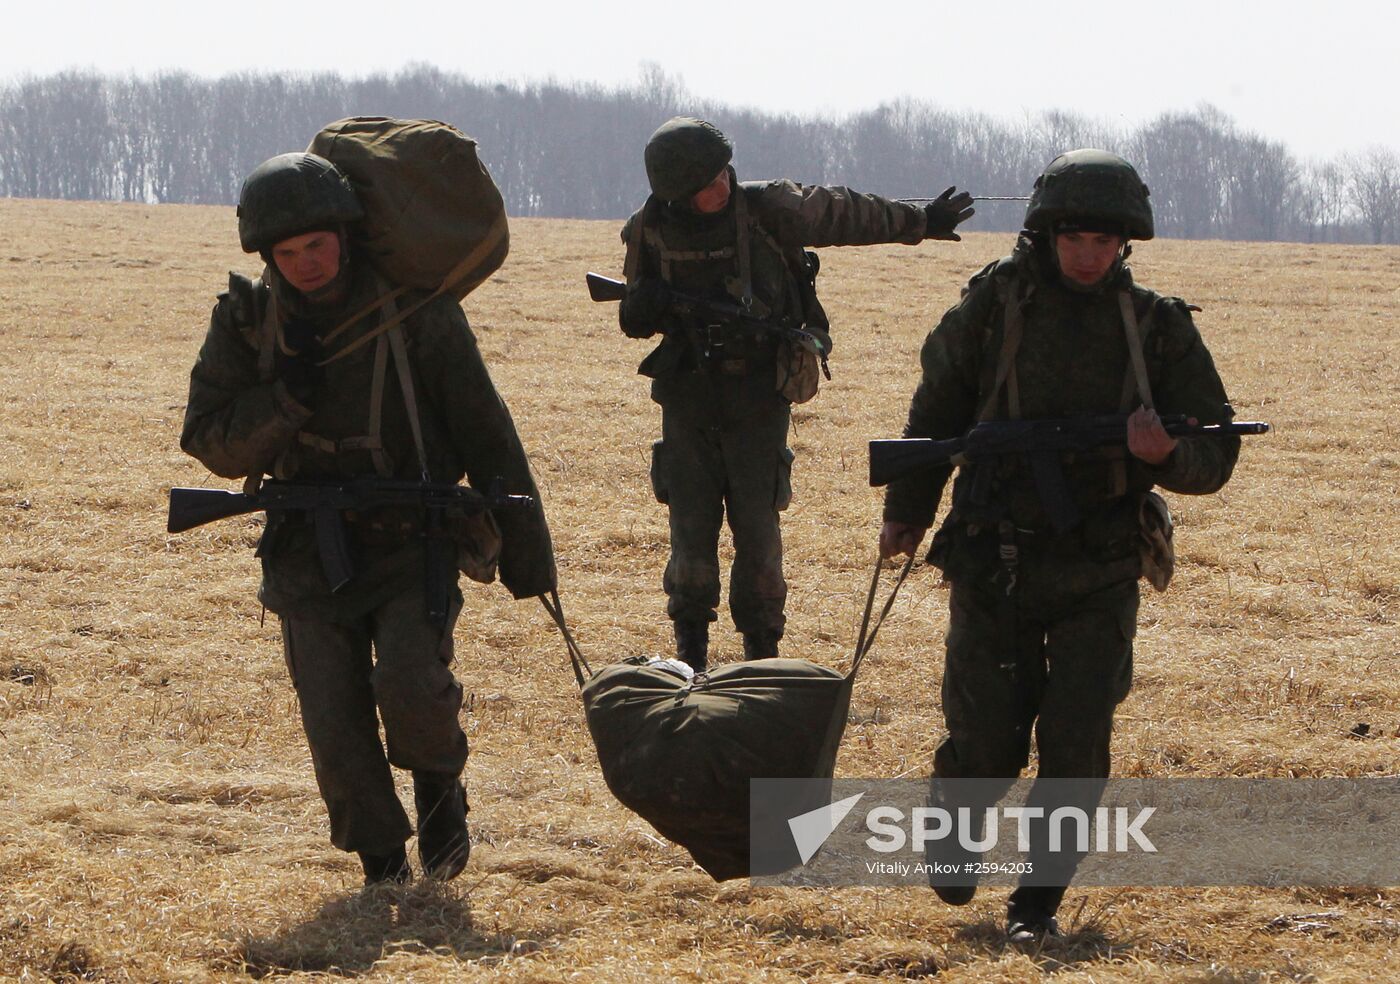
point(680, 753)
point(434, 219)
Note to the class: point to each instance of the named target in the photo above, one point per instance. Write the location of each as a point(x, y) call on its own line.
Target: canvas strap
point(405, 373)
point(866, 638)
point(1135, 334)
point(268, 333)
point(1013, 325)
point(552, 604)
point(1136, 388)
point(455, 278)
point(742, 246)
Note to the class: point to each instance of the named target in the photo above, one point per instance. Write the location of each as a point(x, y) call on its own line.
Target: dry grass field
point(158, 816)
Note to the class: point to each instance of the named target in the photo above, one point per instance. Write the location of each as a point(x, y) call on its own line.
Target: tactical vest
point(1155, 528)
point(267, 336)
point(771, 282)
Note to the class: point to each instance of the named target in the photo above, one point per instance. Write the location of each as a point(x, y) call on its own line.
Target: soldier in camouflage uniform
point(266, 397)
point(724, 422)
point(1041, 619)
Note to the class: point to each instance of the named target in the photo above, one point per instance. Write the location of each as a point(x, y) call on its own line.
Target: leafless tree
point(575, 149)
point(1373, 183)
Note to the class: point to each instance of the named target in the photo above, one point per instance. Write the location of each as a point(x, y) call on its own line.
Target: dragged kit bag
point(434, 219)
point(680, 752)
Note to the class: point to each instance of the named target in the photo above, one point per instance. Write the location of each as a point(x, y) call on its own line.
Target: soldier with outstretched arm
point(703, 243)
point(1044, 594)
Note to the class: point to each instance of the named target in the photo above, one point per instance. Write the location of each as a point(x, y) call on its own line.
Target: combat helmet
point(291, 194)
point(684, 155)
point(1090, 184)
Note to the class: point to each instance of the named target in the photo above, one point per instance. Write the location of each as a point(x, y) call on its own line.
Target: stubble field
point(158, 816)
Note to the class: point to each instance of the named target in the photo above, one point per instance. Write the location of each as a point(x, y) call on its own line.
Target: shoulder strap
point(391, 316)
point(742, 244)
point(1135, 335)
point(375, 438)
point(1013, 323)
point(269, 328)
point(633, 259)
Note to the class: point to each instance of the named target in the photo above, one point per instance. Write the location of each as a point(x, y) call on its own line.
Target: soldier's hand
point(946, 212)
point(298, 361)
point(1148, 440)
point(641, 311)
point(900, 538)
point(822, 336)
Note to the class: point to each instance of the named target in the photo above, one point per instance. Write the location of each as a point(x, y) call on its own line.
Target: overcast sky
point(1319, 76)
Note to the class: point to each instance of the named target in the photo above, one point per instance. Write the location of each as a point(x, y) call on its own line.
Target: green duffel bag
point(434, 219)
point(680, 753)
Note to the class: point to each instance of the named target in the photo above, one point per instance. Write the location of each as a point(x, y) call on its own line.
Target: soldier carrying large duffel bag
point(680, 750)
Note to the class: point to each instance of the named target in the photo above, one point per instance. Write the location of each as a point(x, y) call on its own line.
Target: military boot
point(386, 868)
point(692, 643)
point(1030, 914)
point(761, 645)
point(443, 843)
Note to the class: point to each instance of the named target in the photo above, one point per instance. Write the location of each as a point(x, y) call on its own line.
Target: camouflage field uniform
point(1073, 611)
point(240, 421)
point(724, 425)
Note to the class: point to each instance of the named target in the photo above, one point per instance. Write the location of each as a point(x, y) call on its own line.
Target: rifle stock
point(899, 457)
point(601, 288)
point(195, 507)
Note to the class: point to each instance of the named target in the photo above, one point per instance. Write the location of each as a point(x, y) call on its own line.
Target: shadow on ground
point(1081, 944)
point(352, 933)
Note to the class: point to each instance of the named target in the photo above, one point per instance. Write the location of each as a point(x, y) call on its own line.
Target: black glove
point(945, 213)
point(641, 311)
point(297, 362)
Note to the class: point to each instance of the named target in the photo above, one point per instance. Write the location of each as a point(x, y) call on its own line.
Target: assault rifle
point(1041, 441)
point(326, 502)
point(711, 312)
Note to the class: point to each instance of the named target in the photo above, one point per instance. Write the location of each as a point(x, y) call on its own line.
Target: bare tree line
point(574, 150)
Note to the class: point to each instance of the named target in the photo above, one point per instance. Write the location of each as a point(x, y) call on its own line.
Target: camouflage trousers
point(707, 469)
point(1069, 667)
point(392, 665)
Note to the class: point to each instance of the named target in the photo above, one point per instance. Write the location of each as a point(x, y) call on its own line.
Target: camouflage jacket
point(701, 255)
point(241, 421)
point(1072, 361)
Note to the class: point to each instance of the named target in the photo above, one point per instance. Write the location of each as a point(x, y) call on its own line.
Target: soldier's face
point(713, 197)
point(1086, 257)
point(308, 261)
